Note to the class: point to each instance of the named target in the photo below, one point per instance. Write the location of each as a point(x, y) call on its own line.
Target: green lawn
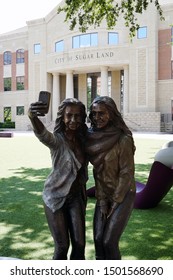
point(24, 234)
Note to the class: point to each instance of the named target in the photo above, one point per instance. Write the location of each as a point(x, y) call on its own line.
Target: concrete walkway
point(147, 135)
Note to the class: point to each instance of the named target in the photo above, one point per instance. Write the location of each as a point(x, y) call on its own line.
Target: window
point(86, 40)
point(7, 58)
point(20, 56)
point(37, 48)
point(142, 32)
point(59, 46)
point(20, 110)
point(20, 83)
point(7, 114)
point(7, 84)
point(94, 39)
point(76, 43)
point(113, 38)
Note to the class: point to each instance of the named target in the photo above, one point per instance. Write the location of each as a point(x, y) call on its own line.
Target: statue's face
point(100, 115)
point(72, 117)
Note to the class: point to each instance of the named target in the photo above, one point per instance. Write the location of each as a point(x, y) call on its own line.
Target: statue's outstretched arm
point(34, 111)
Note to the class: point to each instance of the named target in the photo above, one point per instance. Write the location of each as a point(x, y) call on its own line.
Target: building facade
point(46, 55)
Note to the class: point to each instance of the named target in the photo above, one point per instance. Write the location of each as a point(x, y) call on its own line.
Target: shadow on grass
point(149, 233)
point(25, 234)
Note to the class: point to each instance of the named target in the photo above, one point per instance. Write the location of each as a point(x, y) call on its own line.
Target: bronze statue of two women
point(108, 145)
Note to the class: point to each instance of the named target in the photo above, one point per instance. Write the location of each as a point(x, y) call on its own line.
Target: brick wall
point(164, 55)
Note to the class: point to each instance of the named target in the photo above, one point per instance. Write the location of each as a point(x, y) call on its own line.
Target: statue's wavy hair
point(116, 118)
point(59, 123)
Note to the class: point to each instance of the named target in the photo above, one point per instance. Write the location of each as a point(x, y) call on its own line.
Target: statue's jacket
point(65, 167)
point(112, 156)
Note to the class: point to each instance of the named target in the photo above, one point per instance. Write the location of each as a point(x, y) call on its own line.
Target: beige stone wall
point(23, 123)
point(143, 121)
point(164, 96)
point(13, 99)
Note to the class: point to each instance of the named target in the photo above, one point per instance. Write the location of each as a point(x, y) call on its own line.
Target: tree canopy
point(85, 13)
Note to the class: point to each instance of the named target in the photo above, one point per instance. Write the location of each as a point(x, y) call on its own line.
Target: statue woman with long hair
point(64, 193)
point(110, 148)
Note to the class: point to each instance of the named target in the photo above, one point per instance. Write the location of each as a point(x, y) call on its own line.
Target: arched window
point(85, 40)
point(113, 38)
point(59, 46)
point(20, 56)
point(7, 58)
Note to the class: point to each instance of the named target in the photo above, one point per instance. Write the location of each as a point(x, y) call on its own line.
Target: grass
point(24, 234)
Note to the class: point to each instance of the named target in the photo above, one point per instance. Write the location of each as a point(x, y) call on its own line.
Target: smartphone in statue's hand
point(44, 98)
point(41, 107)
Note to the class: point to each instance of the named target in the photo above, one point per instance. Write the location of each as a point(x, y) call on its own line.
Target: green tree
point(84, 13)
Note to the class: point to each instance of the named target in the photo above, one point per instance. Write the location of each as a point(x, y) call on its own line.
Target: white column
point(104, 81)
point(55, 95)
point(69, 85)
point(126, 90)
point(82, 88)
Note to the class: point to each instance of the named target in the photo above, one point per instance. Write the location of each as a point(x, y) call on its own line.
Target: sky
point(15, 13)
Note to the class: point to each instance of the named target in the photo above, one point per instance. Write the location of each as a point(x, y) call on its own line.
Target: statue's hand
point(104, 211)
point(112, 208)
point(31, 113)
point(36, 109)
